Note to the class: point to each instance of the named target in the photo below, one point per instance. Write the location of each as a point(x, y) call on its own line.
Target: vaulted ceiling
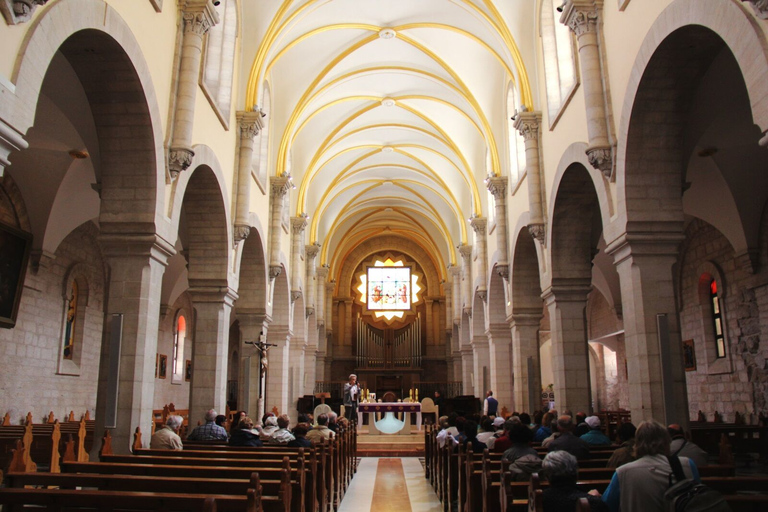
point(388, 114)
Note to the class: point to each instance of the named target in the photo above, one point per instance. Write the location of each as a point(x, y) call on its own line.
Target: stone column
point(280, 187)
point(525, 347)
point(528, 124)
point(500, 357)
point(570, 359)
point(198, 16)
point(298, 224)
point(296, 370)
point(250, 125)
point(581, 16)
point(10, 141)
point(456, 293)
point(277, 372)
point(252, 325)
point(311, 272)
point(466, 277)
point(497, 185)
point(208, 388)
point(479, 225)
point(657, 386)
point(136, 265)
point(467, 369)
point(481, 360)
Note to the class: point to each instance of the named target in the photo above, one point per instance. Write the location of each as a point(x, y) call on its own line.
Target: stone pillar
point(298, 224)
point(481, 361)
point(479, 225)
point(466, 277)
point(198, 16)
point(277, 371)
point(467, 369)
point(250, 125)
point(296, 371)
point(208, 389)
point(525, 347)
point(10, 141)
point(136, 264)
point(500, 358)
point(456, 293)
point(566, 302)
point(280, 187)
point(657, 386)
point(311, 273)
point(528, 124)
point(581, 16)
point(497, 185)
point(252, 325)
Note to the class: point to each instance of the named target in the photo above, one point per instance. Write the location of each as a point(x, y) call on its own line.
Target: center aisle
point(397, 484)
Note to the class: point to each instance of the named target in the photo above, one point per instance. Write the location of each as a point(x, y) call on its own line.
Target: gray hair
point(211, 415)
point(560, 466)
point(174, 422)
point(332, 416)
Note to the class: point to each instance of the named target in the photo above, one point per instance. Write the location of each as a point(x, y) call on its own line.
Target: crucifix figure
point(263, 348)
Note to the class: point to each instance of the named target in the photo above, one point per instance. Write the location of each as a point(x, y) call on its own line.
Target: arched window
point(559, 60)
point(219, 62)
point(179, 337)
point(75, 298)
point(717, 319)
point(516, 143)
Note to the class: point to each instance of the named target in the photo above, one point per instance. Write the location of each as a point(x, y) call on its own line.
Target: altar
point(390, 424)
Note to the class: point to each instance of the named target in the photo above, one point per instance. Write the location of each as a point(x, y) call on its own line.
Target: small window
point(68, 351)
point(179, 337)
point(717, 318)
point(219, 65)
point(516, 142)
point(559, 60)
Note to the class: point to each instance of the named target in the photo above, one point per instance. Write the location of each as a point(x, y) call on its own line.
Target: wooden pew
point(56, 499)
point(269, 496)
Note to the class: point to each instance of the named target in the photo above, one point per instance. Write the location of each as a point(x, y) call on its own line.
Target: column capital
point(647, 239)
point(280, 185)
point(119, 245)
point(298, 224)
point(256, 317)
point(250, 124)
point(241, 232)
point(528, 124)
point(497, 185)
point(199, 17)
point(322, 271)
point(538, 231)
point(466, 251)
point(311, 250)
point(479, 224)
point(274, 271)
point(567, 290)
point(580, 16)
point(601, 158)
point(19, 11)
point(525, 319)
point(212, 294)
point(760, 7)
point(179, 159)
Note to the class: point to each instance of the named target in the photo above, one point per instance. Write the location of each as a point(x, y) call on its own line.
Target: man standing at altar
point(491, 405)
point(351, 394)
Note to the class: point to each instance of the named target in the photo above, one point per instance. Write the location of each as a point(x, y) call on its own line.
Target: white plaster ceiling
point(362, 164)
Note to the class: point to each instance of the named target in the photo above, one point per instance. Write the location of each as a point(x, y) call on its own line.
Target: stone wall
point(738, 382)
point(29, 353)
point(166, 391)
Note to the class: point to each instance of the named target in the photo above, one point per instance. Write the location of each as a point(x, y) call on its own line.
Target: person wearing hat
point(595, 436)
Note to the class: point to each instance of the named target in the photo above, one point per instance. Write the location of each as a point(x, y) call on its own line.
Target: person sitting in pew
point(321, 431)
point(682, 447)
point(567, 441)
point(562, 471)
point(595, 436)
point(486, 431)
point(245, 435)
point(269, 428)
point(503, 442)
point(300, 437)
point(167, 438)
point(332, 421)
point(282, 435)
point(524, 460)
point(470, 437)
point(210, 431)
point(545, 430)
point(640, 486)
point(626, 452)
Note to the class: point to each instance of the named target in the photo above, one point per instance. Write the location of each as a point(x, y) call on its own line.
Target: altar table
point(389, 409)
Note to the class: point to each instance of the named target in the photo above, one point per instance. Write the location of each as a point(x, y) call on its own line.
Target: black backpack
point(688, 495)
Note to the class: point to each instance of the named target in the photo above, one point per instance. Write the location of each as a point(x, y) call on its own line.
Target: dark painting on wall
point(689, 356)
point(188, 371)
point(162, 366)
point(15, 246)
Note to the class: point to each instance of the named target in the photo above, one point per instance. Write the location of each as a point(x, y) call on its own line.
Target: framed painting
point(188, 371)
point(689, 355)
point(15, 246)
point(162, 369)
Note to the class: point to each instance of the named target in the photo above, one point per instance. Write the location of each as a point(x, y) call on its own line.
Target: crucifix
point(263, 348)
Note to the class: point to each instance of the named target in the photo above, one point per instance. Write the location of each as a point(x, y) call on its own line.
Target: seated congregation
point(564, 461)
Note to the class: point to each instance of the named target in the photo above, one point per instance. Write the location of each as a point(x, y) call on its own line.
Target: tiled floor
point(398, 484)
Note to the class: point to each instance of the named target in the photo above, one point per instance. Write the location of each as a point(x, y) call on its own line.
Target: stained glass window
point(717, 319)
